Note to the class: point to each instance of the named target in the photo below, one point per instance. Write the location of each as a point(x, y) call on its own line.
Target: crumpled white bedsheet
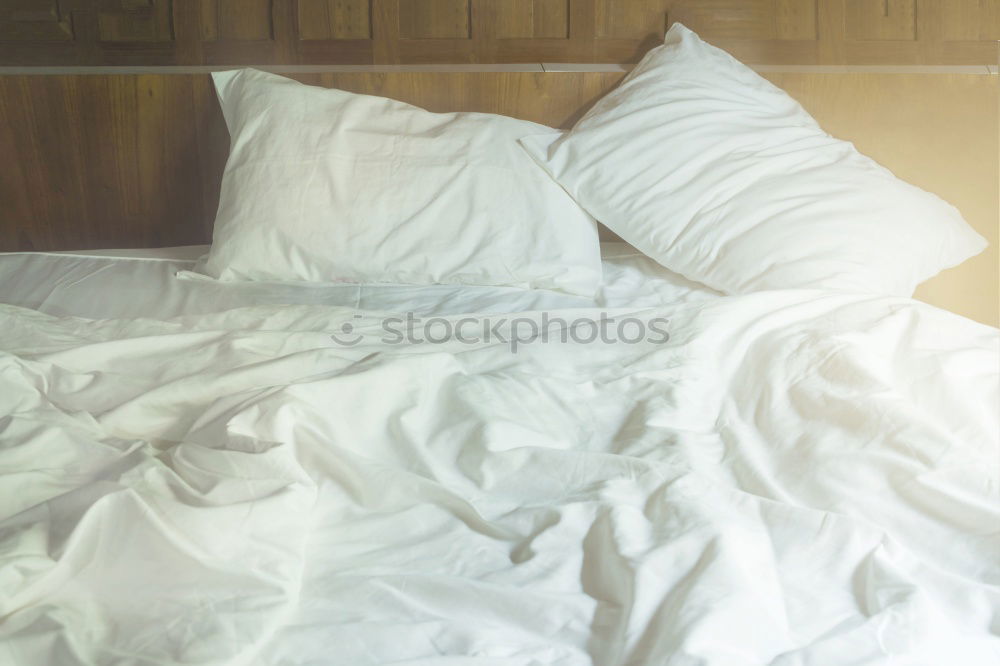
point(795, 478)
point(143, 283)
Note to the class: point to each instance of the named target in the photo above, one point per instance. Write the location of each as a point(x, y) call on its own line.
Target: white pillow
point(325, 185)
point(720, 176)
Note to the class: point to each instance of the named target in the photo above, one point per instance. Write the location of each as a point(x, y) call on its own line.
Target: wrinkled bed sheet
point(792, 478)
point(160, 283)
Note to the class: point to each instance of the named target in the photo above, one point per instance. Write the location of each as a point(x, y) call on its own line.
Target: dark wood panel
point(236, 20)
point(34, 21)
point(172, 32)
point(99, 160)
point(334, 19)
point(135, 21)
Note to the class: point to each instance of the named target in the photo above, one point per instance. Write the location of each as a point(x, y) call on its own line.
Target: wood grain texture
point(526, 19)
point(434, 19)
point(795, 20)
point(135, 21)
point(34, 21)
point(629, 20)
point(136, 161)
point(882, 20)
point(108, 159)
point(971, 20)
point(234, 32)
point(244, 19)
point(235, 20)
point(748, 19)
point(334, 19)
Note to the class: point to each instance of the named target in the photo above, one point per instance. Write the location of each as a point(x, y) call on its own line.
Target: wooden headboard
point(120, 156)
point(135, 159)
point(110, 134)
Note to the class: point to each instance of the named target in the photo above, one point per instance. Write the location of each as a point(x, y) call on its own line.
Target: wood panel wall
point(230, 32)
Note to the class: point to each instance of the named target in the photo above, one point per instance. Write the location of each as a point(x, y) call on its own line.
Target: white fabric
point(722, 177)
point(126, 284)
point(794, 478)
point(326, 185)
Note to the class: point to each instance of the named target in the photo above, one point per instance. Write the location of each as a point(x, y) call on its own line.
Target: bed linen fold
point(790, 478)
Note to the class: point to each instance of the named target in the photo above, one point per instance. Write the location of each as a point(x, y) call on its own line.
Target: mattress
point(160, 283)
point(218, 474)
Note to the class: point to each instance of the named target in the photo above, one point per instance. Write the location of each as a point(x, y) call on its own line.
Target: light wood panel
point(631, 20)
point(846, 32)
point(136, 161)
point(789, 20)
point(940, 132)
point(168, 32)
point(528, 19)
point(971, 20)
point(883, 20)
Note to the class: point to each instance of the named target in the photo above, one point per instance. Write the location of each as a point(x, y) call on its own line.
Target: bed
point(206, 471)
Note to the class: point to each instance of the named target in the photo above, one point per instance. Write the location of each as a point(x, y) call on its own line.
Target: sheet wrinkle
point(276, 495)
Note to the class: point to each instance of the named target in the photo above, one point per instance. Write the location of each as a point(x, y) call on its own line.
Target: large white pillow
point(720, 176)
point(326, 185)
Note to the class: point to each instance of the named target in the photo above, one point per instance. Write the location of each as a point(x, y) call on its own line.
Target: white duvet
point(793, 478)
